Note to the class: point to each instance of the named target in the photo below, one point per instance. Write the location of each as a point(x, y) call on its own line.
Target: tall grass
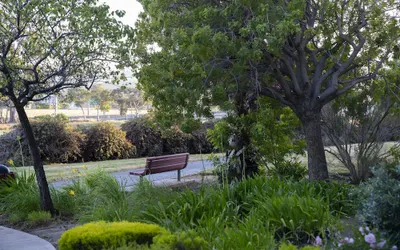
point(251, 214)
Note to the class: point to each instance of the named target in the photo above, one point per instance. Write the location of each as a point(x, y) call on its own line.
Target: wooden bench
point(165, 163)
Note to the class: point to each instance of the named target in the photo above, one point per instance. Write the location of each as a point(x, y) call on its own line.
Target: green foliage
point(253, 233)
point(78, 96)
point(42, 106)
point(103, 235)
point(231, 54)
point(101, 197)
point(150, 140)
point(19, 197)
point(219, 135)
point(145, 135)
point(51, 118)
point(56, 139)
point(378, 201)
point(37, 218)
point(258, 210)
point(174, 141)
point(273, 136)
point(282, 209)
point(285, 246)
point(105, 141)
point(198, 141)
point(181, 240)
point(297, 218)
point(101, 98)
point(288, 170)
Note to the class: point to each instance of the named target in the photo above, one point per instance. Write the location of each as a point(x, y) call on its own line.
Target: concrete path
point(16, 240)
point(131, 180)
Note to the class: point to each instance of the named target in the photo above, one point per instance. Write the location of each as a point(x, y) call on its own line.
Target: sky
point(132, 8)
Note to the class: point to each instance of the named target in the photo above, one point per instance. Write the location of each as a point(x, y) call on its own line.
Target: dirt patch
point(52, 232)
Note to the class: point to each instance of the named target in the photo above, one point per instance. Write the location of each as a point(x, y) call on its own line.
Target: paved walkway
point(16, 240)
point(129, 181)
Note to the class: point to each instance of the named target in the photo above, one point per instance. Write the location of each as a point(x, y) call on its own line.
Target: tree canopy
point(303, 53)
point(50, 45)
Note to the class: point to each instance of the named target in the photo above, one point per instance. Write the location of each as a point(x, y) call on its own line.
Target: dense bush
point(175, 141)
point(198, 141)
point(379, 201)
point(146, 138)
point(150, 140)
point(105, 141)
point(288, 170)
point(103, 235)
point(56, 139)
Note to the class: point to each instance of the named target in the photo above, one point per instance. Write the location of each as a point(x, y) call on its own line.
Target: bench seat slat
point(165, 163)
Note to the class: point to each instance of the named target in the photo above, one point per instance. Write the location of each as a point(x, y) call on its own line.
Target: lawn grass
point(56, 172)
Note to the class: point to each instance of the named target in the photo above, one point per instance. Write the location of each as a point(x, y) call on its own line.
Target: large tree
point(192, 54)
point(50, 45)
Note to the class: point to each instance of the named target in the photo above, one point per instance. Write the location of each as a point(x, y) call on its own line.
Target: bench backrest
point(159, 164)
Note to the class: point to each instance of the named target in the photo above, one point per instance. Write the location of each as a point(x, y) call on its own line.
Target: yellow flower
point(71, 192)
point(11, 162)
point(74, 170)
point(79, 174)
point(84, 166)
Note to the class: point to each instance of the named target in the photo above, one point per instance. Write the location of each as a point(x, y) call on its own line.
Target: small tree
point(79, 97)
point(48, 46)
point(358, 125)
point(136, 100)
point(101, 98)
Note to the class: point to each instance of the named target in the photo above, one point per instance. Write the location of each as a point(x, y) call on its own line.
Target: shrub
point(198, 141)
point(182, 240)
point(285, 246)
point(379, 201)
point(49, 118)
point(150, 140)
point(145, 137)
point(289, 170)
point(57, 141)
point(105, 141)
point(102, 235)
point(36, 218)
point(174, 141)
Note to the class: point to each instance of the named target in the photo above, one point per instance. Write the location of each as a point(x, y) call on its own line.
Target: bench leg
point(179, 175)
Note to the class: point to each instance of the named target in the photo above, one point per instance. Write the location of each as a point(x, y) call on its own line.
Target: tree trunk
point(55, 104)
point(45, 199)
point(317, 166)
point(83, 112)
point(98, 115)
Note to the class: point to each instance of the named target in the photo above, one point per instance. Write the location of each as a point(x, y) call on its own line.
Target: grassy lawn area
point(57, 172)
